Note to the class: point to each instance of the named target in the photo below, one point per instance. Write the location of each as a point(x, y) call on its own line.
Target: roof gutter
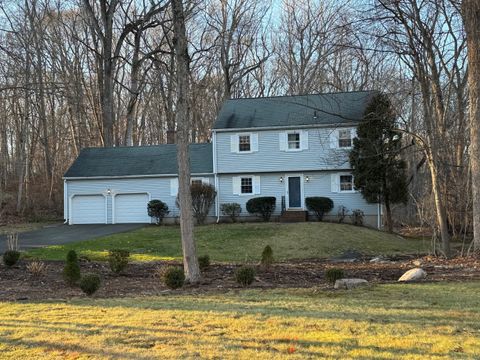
point(336, 125)
point(130, 176)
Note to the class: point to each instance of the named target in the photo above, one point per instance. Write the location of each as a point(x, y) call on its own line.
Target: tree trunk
point(471, 19)
point(190, 261)
point(133, 101)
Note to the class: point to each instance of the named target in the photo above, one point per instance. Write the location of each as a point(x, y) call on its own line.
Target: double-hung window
point(293, 141)
point(244, 143)
point(344, 138)
point(346, 183)
point(246, 185)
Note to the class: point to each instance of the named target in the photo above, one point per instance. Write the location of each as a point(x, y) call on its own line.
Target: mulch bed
point(17, 284)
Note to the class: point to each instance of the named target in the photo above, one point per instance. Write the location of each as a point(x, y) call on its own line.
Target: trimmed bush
point(11, 257)
point(204, 262)
point(157, 209)
point(334, 274)
point(71, 271)
point(173, 277)
point(357, 217)
point(90, 283)
point(245, 275)
point(267, 257)
point(319, 205)
point(231, 210)
point(262, 206)
point(118, 260)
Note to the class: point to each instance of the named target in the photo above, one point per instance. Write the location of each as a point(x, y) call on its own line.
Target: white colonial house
point(289, 147)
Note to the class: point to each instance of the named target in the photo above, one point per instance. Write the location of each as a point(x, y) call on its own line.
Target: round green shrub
point(319, 205)
point(90, 283)
point(173, 277)
point(262, 206)
point(267, 256)
point(10, 257)
point(158, 210)
point(204, 262)
point(245, 275)
point(334, 274)
point(118, 260)
point(71, 271)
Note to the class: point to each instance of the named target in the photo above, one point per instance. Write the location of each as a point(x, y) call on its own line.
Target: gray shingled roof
point(322, 109)
point(138, 160)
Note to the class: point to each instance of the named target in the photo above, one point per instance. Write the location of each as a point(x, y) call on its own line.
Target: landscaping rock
point(413, 275)
point(350, 283)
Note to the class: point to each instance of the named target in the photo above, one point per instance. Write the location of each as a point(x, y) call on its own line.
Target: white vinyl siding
point(131, 208)
point(88, 209)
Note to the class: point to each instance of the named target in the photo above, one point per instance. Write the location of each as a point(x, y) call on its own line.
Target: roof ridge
point(299, 95)
point(139, 146)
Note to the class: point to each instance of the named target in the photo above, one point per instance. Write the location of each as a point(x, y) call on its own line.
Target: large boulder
point(413, 275)
point(350, 283)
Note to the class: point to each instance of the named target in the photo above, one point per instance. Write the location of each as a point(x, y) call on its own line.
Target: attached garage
point(131, 208)
point(88, 209)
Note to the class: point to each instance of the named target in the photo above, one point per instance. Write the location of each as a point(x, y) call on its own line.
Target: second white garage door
point(88, 209)
point(131, 208)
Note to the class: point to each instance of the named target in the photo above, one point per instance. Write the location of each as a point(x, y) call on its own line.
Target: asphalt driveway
point(64, 234)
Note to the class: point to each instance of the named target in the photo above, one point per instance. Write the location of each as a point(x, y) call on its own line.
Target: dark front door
point(294, 192)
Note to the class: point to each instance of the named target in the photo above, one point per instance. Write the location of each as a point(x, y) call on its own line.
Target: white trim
point(132, 176)
point(340, 185)
point(65, 201)
point(333, 126)
point(300, 133)
point(302, 191)
point(239, 177)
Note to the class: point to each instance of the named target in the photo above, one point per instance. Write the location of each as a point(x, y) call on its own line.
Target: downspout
point(215, 176)
point(65, 201)
point(378, 216)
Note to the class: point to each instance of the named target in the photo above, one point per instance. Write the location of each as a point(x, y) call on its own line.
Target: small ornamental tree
point(379, 172)
point(319, 205)
point(203, 197)
point(232, 210)
point(262, 206)
point(71, 271)
point(157, 209)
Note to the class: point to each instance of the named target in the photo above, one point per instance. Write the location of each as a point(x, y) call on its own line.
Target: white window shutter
point(304, 140)
point(334, 183)
point(333, 138)
point(254, 141)
point(236, 184)
point(256, 184)
point(234, 143)
point(174, 187)
point(282, 139)
point(353, 133)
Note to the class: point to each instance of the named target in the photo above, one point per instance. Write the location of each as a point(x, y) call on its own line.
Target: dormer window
point(293, 141)
point(244, 143)
point(344, 138)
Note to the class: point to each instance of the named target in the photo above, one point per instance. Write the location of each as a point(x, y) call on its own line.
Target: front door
point(294, 192)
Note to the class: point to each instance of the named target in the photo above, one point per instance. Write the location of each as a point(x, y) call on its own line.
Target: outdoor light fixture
point(109, 191)
point(307, 179)
point(281, 178)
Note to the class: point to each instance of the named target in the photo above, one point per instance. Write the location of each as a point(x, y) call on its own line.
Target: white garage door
point(131, 208)
point(88, 209)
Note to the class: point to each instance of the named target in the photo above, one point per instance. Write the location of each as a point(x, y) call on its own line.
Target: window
point(244, 143)
point(196, 181)
point(344, 138)
point(246, 185)
point(293, 141)
point(346, 183)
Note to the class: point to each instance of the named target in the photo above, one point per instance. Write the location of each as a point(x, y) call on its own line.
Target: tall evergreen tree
point(379, 172)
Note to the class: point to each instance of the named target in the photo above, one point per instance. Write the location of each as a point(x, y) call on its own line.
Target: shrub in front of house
point(11, 257)
point(232, 210)
point(204, 262)
point(173, 277)
point(245, 275)
point(334, 274)
point(357, 217)
point(118, 260)
point(203, 197)
point(262, 206)
point(319, 205)
point(267, 257)
point(71, 271)
point(90, 283)
point(158, 210)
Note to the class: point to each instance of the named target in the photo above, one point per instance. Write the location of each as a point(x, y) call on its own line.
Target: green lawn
point(240, 242)
point(422, 321)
